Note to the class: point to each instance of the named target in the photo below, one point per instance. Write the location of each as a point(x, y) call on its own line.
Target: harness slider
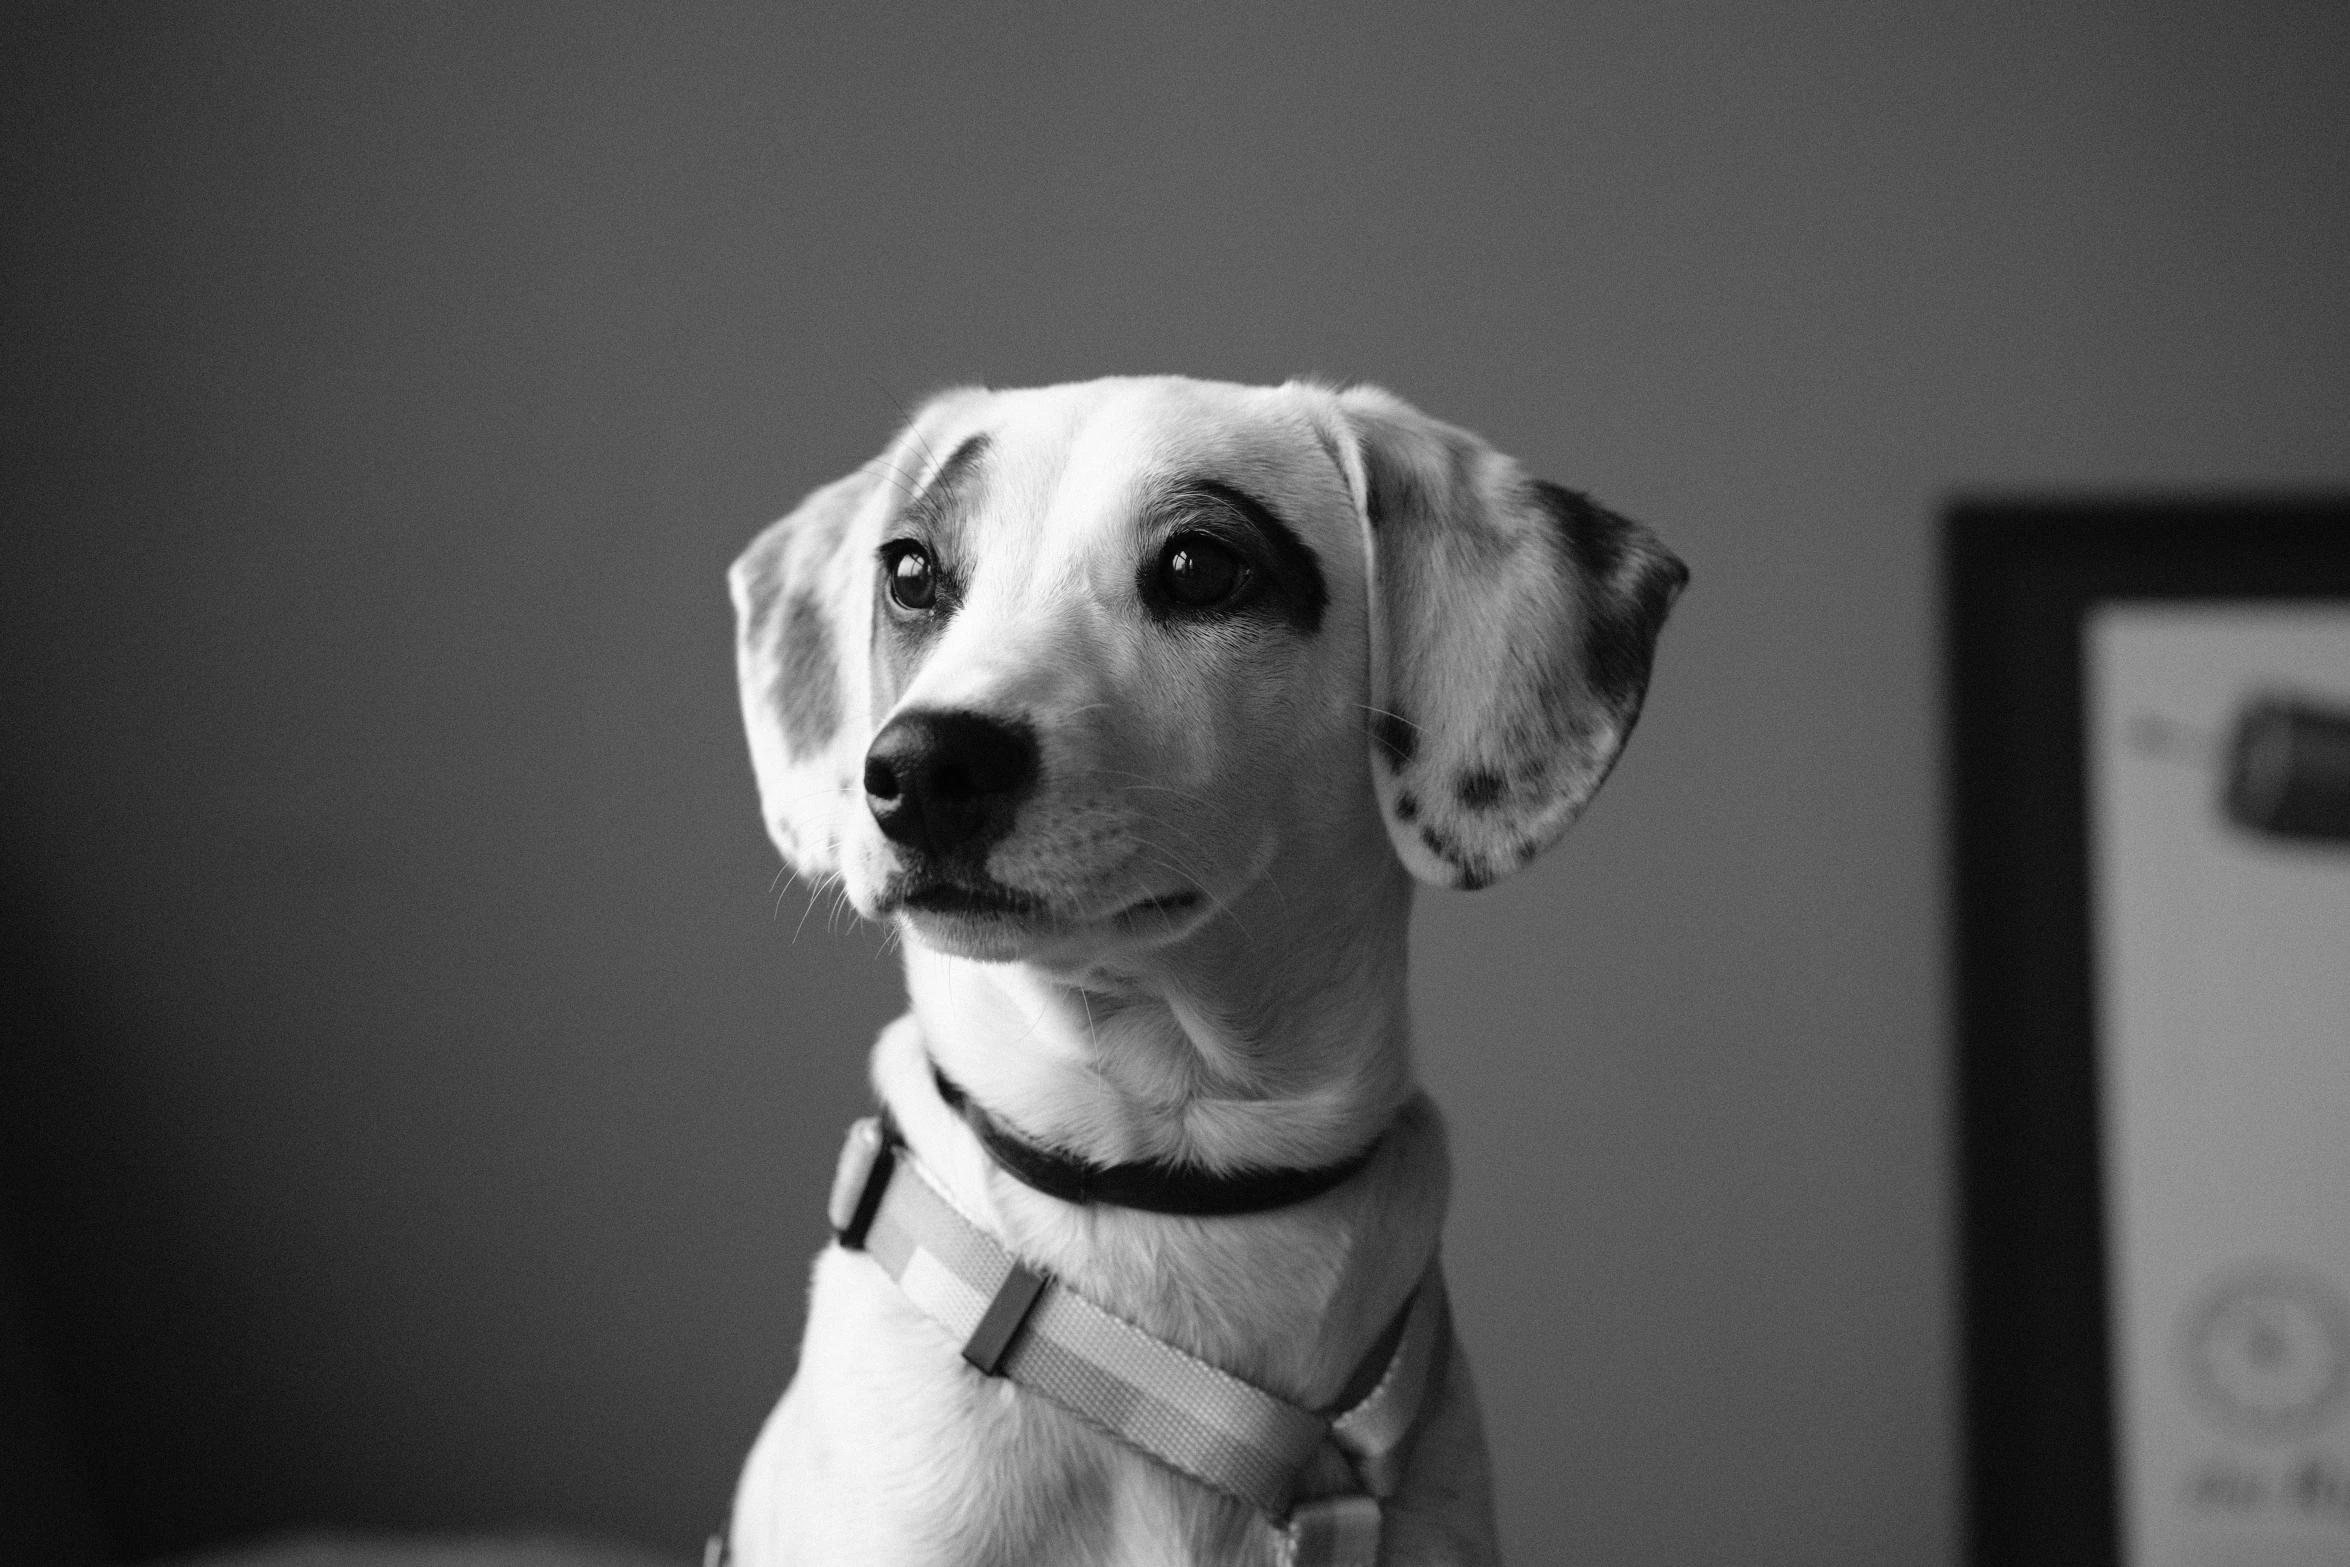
point(1014, 1299)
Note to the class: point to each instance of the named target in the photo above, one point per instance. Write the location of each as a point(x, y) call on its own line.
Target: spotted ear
point(1512, 627)
point(803, 606)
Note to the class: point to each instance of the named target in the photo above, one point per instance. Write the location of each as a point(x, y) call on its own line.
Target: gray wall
point(424, 1099)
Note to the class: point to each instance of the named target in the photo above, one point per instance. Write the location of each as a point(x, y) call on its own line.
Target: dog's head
point(1078, 665)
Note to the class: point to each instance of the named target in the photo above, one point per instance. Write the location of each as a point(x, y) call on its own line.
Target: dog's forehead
point(1083, 461)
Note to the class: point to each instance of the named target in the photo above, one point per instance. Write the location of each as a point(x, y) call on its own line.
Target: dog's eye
point(913, 582)
point(1197, 572)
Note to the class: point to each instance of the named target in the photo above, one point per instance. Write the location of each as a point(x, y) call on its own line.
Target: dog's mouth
point(973, 900)
point(986, 899)
point(1169, 903)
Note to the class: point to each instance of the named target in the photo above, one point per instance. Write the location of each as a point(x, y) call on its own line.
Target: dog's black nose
point(949, 783)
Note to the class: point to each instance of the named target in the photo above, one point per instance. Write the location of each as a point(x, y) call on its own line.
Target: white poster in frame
point(2222, 957)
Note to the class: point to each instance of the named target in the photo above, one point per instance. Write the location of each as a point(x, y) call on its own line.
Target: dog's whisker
point(1148, 783)
point(1376, 711)
point(1150, 788)
point(912, 428)
point(817, 794)
point(1168, 855)
point(1166, 859)
point(813, 893)
point(1204, 850)
point(1288, 915)
point(1190, 838)
point(905, 484)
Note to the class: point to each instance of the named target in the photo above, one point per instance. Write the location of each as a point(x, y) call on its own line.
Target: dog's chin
point(989, 922)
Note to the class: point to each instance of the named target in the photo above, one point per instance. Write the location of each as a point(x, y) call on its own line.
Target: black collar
point(1148, 1184)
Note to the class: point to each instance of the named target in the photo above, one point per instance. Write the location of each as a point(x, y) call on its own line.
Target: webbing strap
point(1179, 1409)
point(1171, 1405)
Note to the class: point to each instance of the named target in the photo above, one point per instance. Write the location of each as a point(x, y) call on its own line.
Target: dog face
point(1069, 669)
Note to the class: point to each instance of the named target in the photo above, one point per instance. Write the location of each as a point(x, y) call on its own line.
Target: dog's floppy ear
point(803, 613)
point(1512, 626)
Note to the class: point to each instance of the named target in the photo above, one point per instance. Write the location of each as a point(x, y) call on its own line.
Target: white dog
point(1135, 707)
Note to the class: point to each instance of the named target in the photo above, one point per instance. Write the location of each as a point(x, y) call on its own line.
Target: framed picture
point(2149, 761)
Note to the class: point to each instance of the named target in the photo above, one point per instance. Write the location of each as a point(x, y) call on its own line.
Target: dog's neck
point(1271, 1036)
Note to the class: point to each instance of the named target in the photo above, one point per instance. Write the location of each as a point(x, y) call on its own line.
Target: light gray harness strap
point(1187, 1414)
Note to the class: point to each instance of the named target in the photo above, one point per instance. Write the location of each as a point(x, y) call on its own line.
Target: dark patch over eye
point(1197, 572)
point(912, 575)
point(1228, 555)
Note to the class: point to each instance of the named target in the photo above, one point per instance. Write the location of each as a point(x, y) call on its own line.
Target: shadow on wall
point(75, 1234)
point(106, 1279)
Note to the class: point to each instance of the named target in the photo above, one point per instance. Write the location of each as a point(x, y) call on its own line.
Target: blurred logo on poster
point(2266, 1352)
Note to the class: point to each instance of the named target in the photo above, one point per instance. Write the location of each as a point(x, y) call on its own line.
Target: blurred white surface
point(2224, 1054)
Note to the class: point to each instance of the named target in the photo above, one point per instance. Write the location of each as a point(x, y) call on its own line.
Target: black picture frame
point(2019, 578)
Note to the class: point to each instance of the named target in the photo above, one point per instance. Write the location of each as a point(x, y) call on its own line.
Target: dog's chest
point(887, 1448)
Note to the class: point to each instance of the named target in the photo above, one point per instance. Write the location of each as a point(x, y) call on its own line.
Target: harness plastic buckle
point(1332, 1531)
point(858, 1182)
